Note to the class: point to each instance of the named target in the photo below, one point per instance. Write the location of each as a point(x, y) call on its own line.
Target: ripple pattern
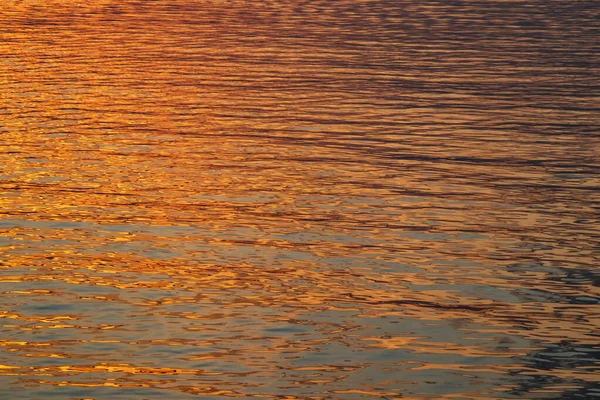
point(299, 199)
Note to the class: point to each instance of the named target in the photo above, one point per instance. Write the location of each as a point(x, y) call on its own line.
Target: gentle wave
point(351, 199)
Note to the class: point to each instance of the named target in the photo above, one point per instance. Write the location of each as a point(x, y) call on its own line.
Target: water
point(299, 199)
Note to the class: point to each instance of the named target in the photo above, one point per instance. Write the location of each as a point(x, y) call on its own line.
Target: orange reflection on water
point(350, 200)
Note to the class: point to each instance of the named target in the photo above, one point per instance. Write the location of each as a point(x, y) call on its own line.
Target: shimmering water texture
point(299, 199)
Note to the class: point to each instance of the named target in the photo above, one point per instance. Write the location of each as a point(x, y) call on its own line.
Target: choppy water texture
point(299, 199)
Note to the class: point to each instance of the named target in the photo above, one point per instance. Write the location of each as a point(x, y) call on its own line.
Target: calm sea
point(299, 199)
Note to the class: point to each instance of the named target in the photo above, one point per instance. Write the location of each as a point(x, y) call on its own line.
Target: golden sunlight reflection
point(299, 200)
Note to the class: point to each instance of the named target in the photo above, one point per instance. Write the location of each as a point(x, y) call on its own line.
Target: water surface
point(299, 199)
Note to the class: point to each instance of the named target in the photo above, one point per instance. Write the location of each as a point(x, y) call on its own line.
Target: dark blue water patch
point(532, 266)
point(424, 236)
point(58, 286)
point(565, 355)
point(577, 276)
point(549, 387)
point(537, 295)
point(285, 330)
point(376, 262)
point(155, 230)
point(583, 300)
point(48, 391)
point(37, 360)
point(225, 366)
point(478, 291)
point(47, 307)
point(436, 382)
point(317, 237)
point(96, 347)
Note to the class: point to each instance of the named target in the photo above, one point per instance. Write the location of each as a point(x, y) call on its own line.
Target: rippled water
point(299, 199)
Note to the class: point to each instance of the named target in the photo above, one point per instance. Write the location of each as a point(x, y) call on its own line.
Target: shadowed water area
point(299, 199)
